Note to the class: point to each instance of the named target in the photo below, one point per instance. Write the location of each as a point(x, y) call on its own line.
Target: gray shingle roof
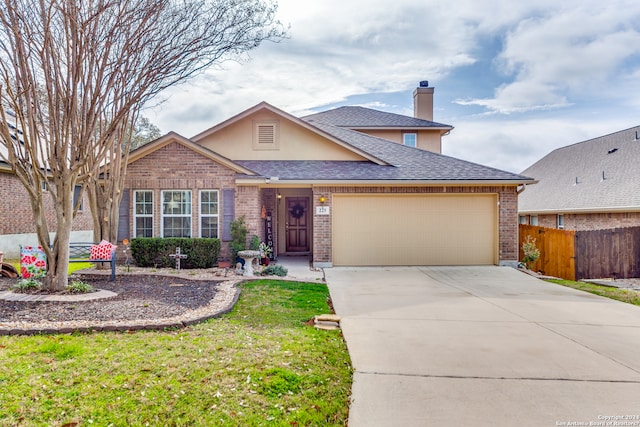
point(405, 163)
point(617, 156)
point(361, 117)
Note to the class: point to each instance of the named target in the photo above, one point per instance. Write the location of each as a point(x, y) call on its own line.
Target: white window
point(143, 213)
point(560, 221)
point(522, 219)
point(534, 219)
point(176, 213)
point(410, 139)
point(209, 213)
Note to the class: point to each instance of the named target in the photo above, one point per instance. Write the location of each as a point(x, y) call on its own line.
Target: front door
point(297, 225)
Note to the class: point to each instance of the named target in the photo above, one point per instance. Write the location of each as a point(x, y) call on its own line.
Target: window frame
point(415, 141)
point(78, 198)
point(184, 215)
point(216, 215)
point(533, 220)
point(136, 215)
point(560, 221)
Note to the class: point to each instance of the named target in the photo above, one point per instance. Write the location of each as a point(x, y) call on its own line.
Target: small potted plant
point(265, 253)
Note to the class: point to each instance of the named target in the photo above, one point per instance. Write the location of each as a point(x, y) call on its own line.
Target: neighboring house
point(16, 217)
point(590, 185)
point(310, 186)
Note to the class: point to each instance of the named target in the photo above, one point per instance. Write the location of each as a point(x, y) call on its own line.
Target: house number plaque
point(322, 210)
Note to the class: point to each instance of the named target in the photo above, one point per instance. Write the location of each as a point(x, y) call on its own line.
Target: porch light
point(279, 196)
point(323, 199)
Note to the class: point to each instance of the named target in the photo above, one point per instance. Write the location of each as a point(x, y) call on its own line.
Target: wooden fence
point(576, 255)
point(557, 249)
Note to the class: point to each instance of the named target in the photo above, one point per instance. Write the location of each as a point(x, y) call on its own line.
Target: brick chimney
point(423, 101)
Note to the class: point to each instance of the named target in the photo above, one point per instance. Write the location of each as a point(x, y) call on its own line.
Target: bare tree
point(105, 190)
point(74, 75)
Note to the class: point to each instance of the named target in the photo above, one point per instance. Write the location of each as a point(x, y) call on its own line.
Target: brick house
point(16, 224)
point(351, 186)
point(590, 185)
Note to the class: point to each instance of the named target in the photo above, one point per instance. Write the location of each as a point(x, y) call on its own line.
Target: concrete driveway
point(484, 346)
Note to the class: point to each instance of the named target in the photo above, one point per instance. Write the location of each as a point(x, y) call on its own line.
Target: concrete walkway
point(299, 268)
point(484, 346)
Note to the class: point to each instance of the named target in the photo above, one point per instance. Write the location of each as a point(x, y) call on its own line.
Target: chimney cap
point(424, 83)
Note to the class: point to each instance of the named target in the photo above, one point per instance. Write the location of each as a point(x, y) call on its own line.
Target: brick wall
point(322, 226)
point(16, 213)
point(592, 221)
point(248, 204)
point(176, 167)
point(508, 215)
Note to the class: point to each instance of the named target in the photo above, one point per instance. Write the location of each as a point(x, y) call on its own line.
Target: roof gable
point(597, 175)
point(233, 138)
point(172, 137)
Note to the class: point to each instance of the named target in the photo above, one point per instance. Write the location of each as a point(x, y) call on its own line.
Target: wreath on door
point(297, 211)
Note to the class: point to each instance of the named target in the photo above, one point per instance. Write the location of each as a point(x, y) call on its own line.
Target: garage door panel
point(414, 230)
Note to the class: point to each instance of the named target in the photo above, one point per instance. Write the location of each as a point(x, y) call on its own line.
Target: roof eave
point(608, 209)
point(372, 127)
point(267, 182)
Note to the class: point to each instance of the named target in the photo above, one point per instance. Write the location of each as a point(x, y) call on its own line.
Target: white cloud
point(514, 145)
point(553, 56)
point(564, 71)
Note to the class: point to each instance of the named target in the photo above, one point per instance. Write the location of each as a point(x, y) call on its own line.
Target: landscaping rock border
point(225, 298)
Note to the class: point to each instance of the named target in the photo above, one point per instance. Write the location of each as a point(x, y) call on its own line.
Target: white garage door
point(404, 229)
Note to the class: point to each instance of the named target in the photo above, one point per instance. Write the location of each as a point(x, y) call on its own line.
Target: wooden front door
point(297, 224)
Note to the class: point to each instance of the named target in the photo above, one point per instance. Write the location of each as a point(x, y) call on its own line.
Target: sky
point(516, 80)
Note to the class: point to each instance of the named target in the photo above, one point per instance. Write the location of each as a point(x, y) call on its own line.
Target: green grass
point(624, 295)
point(258, 365)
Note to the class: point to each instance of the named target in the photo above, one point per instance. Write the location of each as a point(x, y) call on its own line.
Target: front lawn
point(258, 365)
point(624, 295)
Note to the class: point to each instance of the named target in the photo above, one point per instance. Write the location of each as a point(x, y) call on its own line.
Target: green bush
point(155, 251)
point(239, 233)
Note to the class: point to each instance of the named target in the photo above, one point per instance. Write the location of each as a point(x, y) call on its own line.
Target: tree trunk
point(57, 276)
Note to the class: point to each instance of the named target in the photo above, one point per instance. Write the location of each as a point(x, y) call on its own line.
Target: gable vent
point(266, 134)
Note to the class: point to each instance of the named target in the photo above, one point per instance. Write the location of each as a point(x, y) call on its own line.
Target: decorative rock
point(327, 322)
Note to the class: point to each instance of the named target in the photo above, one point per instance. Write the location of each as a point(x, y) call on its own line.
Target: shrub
point(79, 287)
point(25, 285)
point(155, 251)
point(274, 270)
point(530, 251)
point(254, 244)
point(239, 233)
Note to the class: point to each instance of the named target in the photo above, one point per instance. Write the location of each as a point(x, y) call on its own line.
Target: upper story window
point(265, 135)
point(410, 139)
point(560, 221)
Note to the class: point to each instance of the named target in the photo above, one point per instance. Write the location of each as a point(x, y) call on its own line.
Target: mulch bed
point(139, 297)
